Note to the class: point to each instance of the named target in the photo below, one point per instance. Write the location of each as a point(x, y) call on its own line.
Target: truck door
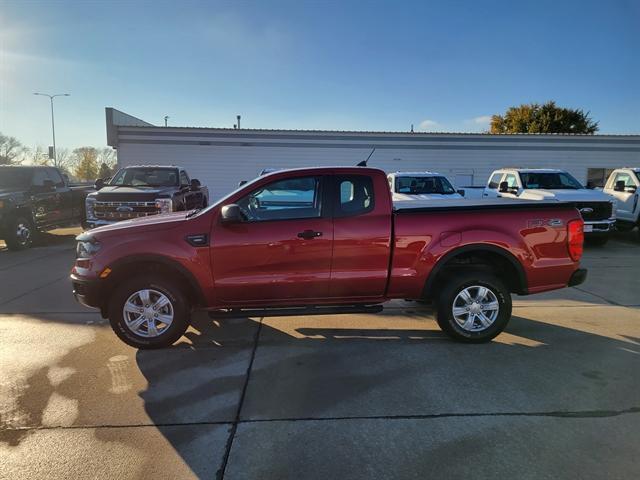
point(45, 205)
point(190, 198)
point(491, 190)
point(282, 251)
point(514, 186)
point(627, 198)
point(361, 238)
point(63, 196)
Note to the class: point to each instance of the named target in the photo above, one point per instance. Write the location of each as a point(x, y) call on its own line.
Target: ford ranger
point(37, 198)
point(597, 208)
point(326, 240)
point(623, 185)
point(141, 191)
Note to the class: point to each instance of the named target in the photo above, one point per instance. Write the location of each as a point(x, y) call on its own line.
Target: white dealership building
point(222, 157)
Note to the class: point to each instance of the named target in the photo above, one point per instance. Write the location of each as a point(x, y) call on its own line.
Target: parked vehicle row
point(34, 199)
point(331, 240)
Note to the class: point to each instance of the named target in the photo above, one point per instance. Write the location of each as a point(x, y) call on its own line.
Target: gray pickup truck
point(142, 191)
point(34, 198)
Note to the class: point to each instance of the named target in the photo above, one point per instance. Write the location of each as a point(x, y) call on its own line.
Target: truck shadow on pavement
point(319, 373)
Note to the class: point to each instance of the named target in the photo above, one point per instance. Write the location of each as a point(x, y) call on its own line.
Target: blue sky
point(359, 65)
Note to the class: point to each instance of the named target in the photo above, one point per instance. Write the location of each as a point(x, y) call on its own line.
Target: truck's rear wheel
point(148, 312)
point(474, 307)
point(20, 233)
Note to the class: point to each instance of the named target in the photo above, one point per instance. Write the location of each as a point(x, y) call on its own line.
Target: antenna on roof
point(364, 162)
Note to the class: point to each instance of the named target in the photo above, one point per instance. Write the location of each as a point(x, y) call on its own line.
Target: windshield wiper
point(192, 213)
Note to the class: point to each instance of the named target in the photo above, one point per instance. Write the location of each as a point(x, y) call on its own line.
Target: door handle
point(309, 234)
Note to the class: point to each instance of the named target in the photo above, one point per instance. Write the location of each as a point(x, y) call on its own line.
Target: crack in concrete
point(234, 427)
point(579, 414)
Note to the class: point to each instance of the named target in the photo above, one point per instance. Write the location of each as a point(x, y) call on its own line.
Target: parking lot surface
point(338, 396)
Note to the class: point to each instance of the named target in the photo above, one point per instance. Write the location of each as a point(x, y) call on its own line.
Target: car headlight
point(89, 208)
point(87, 246)
point(164, 205)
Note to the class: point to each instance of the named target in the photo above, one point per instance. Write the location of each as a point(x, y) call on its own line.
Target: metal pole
point(53, 129)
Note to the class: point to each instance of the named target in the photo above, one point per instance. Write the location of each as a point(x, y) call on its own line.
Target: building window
point(597, 177)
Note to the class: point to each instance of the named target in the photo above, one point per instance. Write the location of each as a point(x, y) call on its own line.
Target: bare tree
point(10, 150)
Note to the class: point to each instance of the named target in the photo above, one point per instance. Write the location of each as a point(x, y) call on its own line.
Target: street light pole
point(53, 124)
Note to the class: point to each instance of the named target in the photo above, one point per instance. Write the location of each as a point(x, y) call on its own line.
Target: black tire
point(179, 302)
point(455, 285)
point(599, 241)
point(20, 233)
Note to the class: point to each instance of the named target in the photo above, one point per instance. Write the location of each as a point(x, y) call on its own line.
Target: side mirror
point(504, 187)
point(99, 183)
point(620, 186)
point(231, 214)
point(461, 192)
point(195, 184)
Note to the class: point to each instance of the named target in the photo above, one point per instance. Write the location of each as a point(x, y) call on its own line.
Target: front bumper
point(599, 227)
point(87, 292)
point(578, 277)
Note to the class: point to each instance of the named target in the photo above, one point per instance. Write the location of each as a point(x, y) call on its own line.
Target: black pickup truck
point(33, 199)
point(141, 191)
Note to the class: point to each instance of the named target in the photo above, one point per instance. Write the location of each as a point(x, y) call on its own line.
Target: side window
point(511, 180)
point(494, 183)
point(55, 177)
point(284, 199)
point(39, 176)
point(184, 179)
point(355, 195)
point(628, 181)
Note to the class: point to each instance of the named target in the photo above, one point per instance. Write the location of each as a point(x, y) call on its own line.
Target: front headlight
point(164, 205)
point(87, 246)
point(89, 204)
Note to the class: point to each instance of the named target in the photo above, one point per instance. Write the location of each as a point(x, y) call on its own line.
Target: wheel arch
point(480, 254)
point(127, 266)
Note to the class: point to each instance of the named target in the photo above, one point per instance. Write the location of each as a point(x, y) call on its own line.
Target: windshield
point(421, 185)
point(146, 177)
point(550, 181)
point(11, 177)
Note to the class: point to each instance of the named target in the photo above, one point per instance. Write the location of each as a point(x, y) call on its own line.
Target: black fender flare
point(522, 277)
point(165, 262)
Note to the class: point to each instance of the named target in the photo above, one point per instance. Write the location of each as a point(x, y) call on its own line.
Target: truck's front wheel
point(474, 307)
point(20, 233)
point(147, 312)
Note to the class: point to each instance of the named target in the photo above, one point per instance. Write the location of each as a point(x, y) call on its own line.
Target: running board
point(294, 311)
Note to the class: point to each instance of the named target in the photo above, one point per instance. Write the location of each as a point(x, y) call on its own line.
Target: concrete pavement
point(343, 396)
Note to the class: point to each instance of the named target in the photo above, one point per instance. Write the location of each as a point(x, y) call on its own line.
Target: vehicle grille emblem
point(124, 209)
point(586, 210)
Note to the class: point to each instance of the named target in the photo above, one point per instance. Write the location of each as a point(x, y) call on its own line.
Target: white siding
point(222, 167)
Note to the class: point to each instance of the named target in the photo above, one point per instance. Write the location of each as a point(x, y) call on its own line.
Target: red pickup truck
point(326, 240)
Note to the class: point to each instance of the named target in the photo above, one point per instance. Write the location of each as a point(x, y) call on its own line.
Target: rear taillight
point(575, 239)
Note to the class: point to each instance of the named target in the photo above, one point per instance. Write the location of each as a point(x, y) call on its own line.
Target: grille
point(124, 210)
point(601, 210)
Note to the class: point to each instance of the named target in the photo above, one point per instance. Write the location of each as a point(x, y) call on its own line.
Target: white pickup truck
point(623, 185)
point(421, 186)
point(597, 208)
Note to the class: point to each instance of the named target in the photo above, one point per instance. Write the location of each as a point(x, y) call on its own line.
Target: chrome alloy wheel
point(475, 308)
point(23, 233)
point(148, 313)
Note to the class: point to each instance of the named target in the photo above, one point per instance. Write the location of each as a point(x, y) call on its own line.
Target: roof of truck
point(417, 174)
point(531, 170)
